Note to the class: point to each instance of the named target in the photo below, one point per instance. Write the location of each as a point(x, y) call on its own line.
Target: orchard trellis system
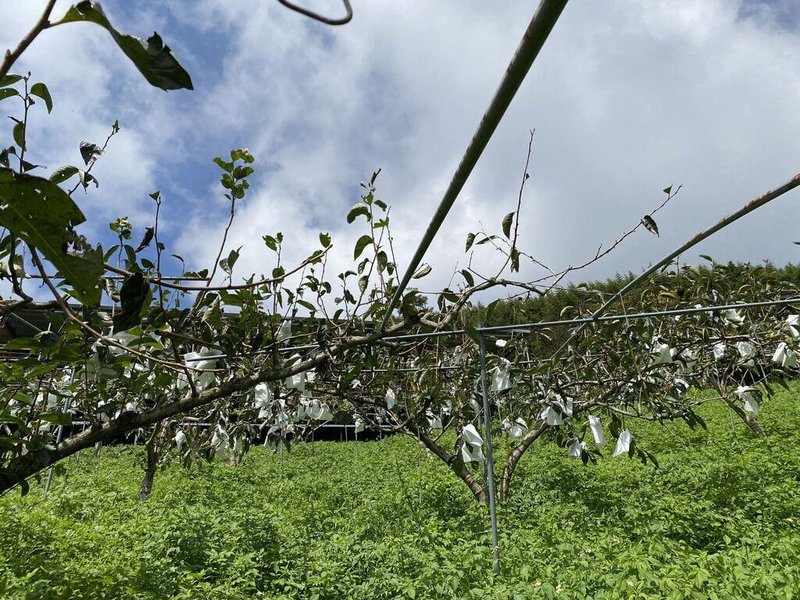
point(170, 370)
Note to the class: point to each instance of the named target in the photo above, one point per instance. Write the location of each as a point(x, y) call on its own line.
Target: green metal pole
point(535, 36)
point(487, 429)
point(752, 205)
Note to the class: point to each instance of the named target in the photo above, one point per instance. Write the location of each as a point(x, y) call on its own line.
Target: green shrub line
point(718, 519)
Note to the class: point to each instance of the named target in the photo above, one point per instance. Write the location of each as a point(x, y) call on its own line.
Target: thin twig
point(42, 24)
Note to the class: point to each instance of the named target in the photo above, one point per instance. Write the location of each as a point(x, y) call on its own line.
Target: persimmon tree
point(199, 367)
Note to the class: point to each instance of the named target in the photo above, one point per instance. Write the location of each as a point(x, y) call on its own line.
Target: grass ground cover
point(718, 519)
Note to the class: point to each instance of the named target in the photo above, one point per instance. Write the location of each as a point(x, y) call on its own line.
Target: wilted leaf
point(133, 295)
point(89, 152)
point(650, 224)
point(514, 260)
point(86, 178)
point(149, 232)
point(507, 221)
point(470, 241)
point(422, 271)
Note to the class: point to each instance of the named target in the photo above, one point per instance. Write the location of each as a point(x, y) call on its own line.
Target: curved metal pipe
point(318, 17)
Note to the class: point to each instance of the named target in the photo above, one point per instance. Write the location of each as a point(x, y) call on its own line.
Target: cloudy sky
point(626, 98)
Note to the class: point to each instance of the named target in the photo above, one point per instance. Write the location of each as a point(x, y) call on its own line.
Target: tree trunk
point(514, 458)
point(748, 420)
point(457, 467)
point(153, 453)
point(22, 467)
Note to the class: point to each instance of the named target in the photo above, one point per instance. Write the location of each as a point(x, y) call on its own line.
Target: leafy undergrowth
point(719, 519)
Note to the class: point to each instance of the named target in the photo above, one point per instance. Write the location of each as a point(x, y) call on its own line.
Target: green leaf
point(468, 277)
point(422, 271)
point(7, 93)
point(382, 260)
point(133, 297)
point(308, 306)
point(270, 242)
point(241, 172)
point(470, 241)
point(153, 59)
point(242, 154)
point(472, 332)
point(57, 418)
point(490, 310)
point(224, 165)
point(507, 220)
point(226, 264)
point(325, 240)
point(40, 90)
point(667, 190)
point(358, 209)
point(362, 243)
point(61, 174)
point(19, 135)
point(9, 79)
point(87, 178)
point(42, 214)
point(514, 260)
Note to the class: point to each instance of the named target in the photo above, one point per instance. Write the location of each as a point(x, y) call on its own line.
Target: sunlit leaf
point(40, 90)
point(362, 243)
point(358, 209)
point(43, 215)
point(422, 271)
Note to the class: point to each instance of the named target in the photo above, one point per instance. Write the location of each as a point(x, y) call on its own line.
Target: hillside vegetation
point(718, 519)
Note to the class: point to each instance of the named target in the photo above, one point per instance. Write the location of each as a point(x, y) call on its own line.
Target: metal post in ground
point(487, 425)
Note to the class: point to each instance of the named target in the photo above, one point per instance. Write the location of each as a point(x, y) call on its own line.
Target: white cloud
point(626, 98)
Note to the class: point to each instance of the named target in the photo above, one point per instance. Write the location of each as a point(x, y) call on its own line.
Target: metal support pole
point(532, 41)
point(487, 427)
point(59, 437)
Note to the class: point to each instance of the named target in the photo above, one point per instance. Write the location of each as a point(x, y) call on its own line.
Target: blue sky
point(626, 98)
